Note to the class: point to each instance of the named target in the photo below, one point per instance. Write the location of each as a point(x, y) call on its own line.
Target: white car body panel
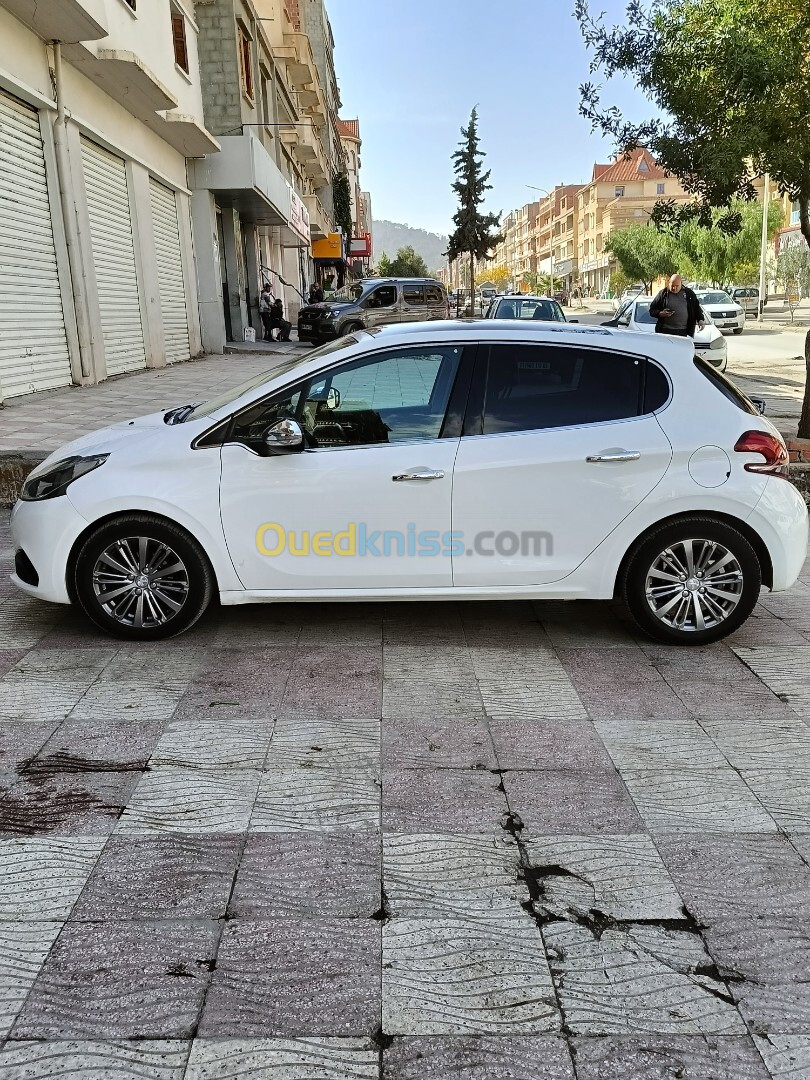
point(153, 468)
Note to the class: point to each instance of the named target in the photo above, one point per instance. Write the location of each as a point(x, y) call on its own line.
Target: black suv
point(373, 302)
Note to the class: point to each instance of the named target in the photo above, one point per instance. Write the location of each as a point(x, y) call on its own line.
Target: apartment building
point(359, 245)
point(100, 108)
point(619, 194)
point(555, 234)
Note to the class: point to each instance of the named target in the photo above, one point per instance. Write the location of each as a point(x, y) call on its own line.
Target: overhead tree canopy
point(644, 253)
point(474, 234)
point(732, 79)
point(722, 258)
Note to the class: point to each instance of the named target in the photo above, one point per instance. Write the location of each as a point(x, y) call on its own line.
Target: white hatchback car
point(708, 342)
point(445, 460)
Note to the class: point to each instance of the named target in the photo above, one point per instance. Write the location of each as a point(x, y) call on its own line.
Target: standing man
point(277, 320)
point(264, 311)
point(677, 310)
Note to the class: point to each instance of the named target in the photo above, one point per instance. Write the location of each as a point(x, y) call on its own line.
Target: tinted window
point(540, 386)
point(413, 295)
point(434, 296)
point(385, 296)
point(725, 386)
point(656, 388)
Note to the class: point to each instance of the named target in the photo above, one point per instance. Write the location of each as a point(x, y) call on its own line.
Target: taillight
point(772, 449)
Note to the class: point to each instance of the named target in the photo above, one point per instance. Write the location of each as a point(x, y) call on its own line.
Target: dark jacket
point(694, 312)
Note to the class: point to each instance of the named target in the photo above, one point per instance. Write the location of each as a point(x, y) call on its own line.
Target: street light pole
point(763, 251)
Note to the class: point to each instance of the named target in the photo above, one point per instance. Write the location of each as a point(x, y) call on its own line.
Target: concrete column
point(187, 259)
point(208, 275)
point(140, 211)
point(234, 269)
point(252, 273)
point(58, 225)
point(98, 362)
point(291, 271)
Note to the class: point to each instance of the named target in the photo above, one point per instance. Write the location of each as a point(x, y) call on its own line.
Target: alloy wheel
point(694, 585)
point(140, 582)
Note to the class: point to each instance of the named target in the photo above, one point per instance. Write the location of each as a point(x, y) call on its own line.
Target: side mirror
point(760, 404)
point(284, 437)
point(609, 322)
point(624, 321)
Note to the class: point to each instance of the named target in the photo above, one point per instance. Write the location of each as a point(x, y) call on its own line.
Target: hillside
point(390, 236)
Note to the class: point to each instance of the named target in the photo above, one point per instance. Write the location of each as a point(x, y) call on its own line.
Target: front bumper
point(46, 531)
point(325, 330)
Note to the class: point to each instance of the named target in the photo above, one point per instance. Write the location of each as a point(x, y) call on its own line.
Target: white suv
point(447, 460)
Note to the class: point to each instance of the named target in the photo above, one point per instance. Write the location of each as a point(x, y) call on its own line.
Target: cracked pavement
point(410, 841)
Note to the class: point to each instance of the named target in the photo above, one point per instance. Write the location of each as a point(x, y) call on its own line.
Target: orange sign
point(330, 248)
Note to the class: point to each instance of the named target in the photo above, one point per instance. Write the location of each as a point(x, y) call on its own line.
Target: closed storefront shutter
point(170, 272)
point(105, 181)
point(33, 348)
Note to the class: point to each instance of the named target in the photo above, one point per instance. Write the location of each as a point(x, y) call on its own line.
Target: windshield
point(714, 298)
point(207, 408)
point(643, 316)
point(348, 292)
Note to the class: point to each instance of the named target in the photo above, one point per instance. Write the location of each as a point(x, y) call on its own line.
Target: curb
point(14, 467)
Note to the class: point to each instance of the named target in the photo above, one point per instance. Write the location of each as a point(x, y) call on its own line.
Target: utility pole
point(763, 251)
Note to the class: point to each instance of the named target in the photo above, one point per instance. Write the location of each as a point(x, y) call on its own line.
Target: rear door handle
point(618, 455)
point(423, 474)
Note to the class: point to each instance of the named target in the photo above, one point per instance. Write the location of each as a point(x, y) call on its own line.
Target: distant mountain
point(390, 236)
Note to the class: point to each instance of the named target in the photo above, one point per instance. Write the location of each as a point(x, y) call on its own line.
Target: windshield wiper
point(178, 415)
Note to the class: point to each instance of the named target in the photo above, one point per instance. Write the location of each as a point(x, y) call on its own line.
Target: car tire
point(132, 555)
point(658, 608)
point(737, 330)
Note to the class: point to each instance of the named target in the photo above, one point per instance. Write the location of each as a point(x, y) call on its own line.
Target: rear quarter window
point(725, 386)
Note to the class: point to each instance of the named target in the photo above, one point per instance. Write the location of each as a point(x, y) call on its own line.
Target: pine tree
point(473, 235)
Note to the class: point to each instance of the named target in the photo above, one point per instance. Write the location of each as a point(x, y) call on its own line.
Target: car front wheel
point(692, 581)
point(738, 330)
point(142, 578)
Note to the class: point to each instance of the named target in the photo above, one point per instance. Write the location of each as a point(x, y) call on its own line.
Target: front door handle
point(423, 474)
point(618, 455)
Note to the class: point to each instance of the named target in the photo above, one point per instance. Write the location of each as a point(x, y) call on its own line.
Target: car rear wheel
point(692, 581)
point(142, 578)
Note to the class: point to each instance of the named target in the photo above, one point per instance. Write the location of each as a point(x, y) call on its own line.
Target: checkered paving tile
point(480, 840)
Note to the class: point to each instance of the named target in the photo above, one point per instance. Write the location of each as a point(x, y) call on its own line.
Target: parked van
point(747, 296)
point(373, 302)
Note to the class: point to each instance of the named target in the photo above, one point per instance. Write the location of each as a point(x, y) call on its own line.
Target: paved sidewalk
point(414, 841)
point(40, 423)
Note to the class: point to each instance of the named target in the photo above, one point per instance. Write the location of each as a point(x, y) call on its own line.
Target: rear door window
point(413, 295)
point(434, 296)
point(531, 387)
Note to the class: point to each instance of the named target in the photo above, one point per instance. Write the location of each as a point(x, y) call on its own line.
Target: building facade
point(619, 194)
point(100, 108)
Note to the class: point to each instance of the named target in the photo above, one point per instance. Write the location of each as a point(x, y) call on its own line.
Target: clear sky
point(411, 70)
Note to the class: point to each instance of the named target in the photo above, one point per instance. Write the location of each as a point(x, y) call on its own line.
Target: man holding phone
point(677, 310)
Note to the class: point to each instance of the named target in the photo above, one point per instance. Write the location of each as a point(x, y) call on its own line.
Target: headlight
point(56, 478)
point(718, 343)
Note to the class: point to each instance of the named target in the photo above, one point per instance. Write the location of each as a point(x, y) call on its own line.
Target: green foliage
point(793, 271)
point(719, 257)
point(342, 204)
point(731, 80)
point(644, 253)
point(406, 264)
point(475, 233)
point(619, 281)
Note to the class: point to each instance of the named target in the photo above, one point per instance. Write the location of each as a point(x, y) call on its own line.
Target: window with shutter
point(179, 39)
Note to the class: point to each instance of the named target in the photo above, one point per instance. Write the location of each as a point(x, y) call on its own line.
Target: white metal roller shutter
point(105, 181)
point(170, 272)
point(33, 348)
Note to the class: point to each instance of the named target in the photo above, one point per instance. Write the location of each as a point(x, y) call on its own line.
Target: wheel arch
point(751, 535)
point(92, 526)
